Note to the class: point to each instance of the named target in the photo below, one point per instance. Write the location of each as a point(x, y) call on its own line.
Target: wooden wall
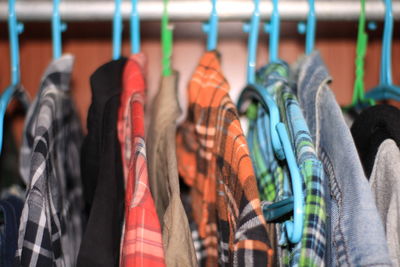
point(91, 45)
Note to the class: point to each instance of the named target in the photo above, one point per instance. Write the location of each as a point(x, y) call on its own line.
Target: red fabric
point(142, 240)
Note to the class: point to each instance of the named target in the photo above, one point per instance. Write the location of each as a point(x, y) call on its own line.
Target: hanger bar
point(184, 10)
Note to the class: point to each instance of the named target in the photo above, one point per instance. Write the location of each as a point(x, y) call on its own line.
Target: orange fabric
point(214, 160)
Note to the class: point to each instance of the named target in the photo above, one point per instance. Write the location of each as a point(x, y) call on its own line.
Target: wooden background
point(90, 43)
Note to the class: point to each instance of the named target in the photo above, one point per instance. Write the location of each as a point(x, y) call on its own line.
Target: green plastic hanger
point(359, 101)
point(166, 40)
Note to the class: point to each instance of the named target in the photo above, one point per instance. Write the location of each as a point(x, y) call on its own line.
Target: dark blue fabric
point(11, 208)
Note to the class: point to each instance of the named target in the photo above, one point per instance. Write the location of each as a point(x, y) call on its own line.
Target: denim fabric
point(10, 210)
point(356, 230)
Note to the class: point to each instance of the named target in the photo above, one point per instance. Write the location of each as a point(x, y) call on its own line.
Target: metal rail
point(183, 10)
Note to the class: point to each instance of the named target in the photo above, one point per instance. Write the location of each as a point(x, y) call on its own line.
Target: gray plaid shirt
point(51, 222)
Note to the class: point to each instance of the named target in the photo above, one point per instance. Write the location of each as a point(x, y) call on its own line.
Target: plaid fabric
point(142, 242)
point(51, 222)
point(198, 242)
point(310, 251)
point(214, 160)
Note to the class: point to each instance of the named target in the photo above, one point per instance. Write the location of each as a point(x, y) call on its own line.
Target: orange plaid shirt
point(214, 160)
point(142, 241)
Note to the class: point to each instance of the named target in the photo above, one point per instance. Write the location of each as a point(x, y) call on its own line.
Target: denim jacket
point(356, 234)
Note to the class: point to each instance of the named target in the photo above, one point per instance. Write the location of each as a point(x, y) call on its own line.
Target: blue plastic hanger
point(280, 139)
point(14, 28)
point(273, 29)
point(309, 30)
point(386, 89)
point(57, 27)
point(211, 28)
point(117, 30)
point(135, 28)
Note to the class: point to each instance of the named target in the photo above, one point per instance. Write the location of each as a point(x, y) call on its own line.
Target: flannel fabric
point(198, 242)
point(310, 251)
point(142, 241)
point(51, 221)
point(214, 160)
point(164, 177)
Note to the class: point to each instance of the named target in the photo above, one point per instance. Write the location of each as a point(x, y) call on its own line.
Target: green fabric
point(273, 176)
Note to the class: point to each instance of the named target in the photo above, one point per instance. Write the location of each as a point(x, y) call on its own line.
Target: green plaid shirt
point(273, 176)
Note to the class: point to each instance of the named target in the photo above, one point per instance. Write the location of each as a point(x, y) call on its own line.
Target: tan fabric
point(164, 179)
point(385, 183)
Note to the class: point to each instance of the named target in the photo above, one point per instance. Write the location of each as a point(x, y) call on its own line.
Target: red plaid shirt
point(142, 241)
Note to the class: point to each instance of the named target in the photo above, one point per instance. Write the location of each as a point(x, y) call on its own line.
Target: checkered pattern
point(51, 221)
point(142, 241)
point(214, 160)
point(310, 251)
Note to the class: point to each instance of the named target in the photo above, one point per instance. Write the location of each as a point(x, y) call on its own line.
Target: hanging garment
point(311, 250)
point(142, 240)
point(373, 126)
point(355, 235)
point(198, 243)
point(10, 212)
point(385, 184)
point(9, 174)
point(164, 179)
point(214, 160)
point(101, 168)
point(269, 171)
point(51, 222)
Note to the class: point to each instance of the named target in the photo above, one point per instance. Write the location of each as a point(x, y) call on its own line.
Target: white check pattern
point(51, 221)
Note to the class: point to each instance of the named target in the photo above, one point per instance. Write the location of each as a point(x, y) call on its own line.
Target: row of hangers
point(280, 138)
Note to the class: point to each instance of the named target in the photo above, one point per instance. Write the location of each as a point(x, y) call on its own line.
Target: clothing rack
point(183, 10)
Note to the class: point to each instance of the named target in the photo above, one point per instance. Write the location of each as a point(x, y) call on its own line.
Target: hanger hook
point(273, 29)
point(117, 30)
point(14, 28)
point(252, 29)
point(135, 28)
point(57, 28)
point(311, 26)
point(166, 39)
point(386, 57)
point(211, 28)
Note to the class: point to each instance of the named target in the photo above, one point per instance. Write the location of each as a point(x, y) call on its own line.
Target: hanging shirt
point(376, 133)
point(385, 184)
point(373, 126)
point(164, 179)
point(10, 212)
point(142, 241)
point(214, 160)
point(101, 168)
point(51, 221)
point(356, 235)
point(310, 251)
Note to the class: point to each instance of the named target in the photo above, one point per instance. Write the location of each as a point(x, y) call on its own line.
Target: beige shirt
point(164, 179)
